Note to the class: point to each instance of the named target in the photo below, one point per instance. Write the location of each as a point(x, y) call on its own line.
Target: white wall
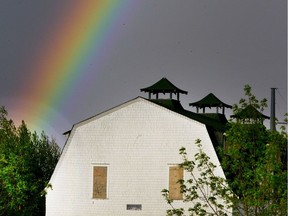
point(137, 140)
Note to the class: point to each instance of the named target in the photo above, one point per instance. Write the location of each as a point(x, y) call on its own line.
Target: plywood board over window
point(100, 182)
point(175, 174)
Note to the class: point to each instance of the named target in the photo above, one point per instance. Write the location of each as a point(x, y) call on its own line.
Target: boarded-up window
point(175, 174)
point(100, 182)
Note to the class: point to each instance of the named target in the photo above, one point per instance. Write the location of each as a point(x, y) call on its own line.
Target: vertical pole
point(272, 115)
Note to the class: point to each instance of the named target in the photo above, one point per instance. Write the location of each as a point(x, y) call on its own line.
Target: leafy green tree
point(254, 160)
point(26, 164)
point(207, 193)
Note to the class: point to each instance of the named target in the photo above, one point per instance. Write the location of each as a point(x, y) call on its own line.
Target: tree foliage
point(207, 193)
point(254, 160)
point(27, 161)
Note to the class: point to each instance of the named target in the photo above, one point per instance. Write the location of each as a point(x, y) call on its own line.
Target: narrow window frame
point(100, 165)
point(179, 196)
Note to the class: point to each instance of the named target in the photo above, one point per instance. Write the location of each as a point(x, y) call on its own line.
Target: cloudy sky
point(201, 46)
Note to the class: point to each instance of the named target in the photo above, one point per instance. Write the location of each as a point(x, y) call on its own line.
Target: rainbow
point(84, 31)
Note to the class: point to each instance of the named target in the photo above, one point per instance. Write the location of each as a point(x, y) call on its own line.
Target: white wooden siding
point(138, 140)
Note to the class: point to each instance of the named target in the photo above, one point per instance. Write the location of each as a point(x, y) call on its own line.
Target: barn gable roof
point(214, 120)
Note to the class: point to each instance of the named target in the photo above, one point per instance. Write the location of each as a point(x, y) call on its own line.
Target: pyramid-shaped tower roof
point(210, 101)
point(163, 86)
point(250, 112)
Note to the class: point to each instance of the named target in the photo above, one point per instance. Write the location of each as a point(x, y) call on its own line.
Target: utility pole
point(272, 116)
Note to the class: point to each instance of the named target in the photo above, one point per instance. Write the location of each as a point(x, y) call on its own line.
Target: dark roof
point(216, 121)
point(171, 104)
point(216, 116)
point(66, 133)
point(250, 112)
point(210, 101)
point(163, 86)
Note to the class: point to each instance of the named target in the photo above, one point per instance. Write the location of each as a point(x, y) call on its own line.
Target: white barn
point(117, 162)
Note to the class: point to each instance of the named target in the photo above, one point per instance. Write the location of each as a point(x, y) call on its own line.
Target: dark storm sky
point(201, 46)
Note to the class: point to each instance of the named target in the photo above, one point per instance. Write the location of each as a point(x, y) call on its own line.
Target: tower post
point(272, 114)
